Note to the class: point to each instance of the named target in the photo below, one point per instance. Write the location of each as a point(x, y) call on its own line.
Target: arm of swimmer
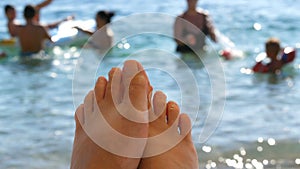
point(52, 25)
point(55, 24)
point(43, 4)
point(211, 28)
point(12, 29)
point(90, 33)
point(46, 35)
point(178, 31)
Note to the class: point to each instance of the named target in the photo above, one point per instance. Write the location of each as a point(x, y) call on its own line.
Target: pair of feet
point(119, 127)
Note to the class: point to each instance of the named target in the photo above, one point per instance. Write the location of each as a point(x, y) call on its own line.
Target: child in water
point(276, 55)
point(273, 51)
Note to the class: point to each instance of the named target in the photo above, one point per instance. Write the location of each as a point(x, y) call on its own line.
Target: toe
point(135, 85)
point(131, 68)
point(172, 112)
point(113, 86)
point(100, 88)
point(138, 92)
point(185, 125)
point(139, 66)
point(159, 106)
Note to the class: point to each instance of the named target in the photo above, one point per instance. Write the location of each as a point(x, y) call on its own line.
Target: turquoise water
point(260, 121)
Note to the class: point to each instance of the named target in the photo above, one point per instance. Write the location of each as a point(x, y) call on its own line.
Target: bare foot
point(104, 137)
point(167, 146)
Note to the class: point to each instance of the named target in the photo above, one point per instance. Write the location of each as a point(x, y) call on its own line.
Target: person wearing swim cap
point(192, 27)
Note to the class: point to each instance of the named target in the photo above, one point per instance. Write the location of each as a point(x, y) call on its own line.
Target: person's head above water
point(10, 12)
point(103, 18)
point(29, 12)
point(272, 47)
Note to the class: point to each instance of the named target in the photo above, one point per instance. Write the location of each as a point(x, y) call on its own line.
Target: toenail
point(172, 106)
point(111, 73)
point(101, 80)
point(139, 80)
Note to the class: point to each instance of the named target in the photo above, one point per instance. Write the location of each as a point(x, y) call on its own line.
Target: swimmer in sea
point(273, 50)
point(102, 39)
point(274, 53)
point(10, 13)
point(124, 101)
point(187, 36)
point(31, 35)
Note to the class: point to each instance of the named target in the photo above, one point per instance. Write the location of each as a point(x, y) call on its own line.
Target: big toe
point(130, 69)
point(138, 92)
point(136, 85)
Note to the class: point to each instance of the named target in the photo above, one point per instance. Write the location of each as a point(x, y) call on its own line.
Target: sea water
point(258, 127)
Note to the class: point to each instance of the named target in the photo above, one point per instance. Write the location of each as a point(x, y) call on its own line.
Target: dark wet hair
point(29, 12)
point(8, 7)
point(273, 43)
point(106, 15)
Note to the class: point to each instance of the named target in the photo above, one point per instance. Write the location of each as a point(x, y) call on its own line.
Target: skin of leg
point(181, 156)
point(132, 82)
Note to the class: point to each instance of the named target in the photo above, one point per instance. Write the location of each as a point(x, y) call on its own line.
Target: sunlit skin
point(88, 155)
point(31, 36)
point(181, 156)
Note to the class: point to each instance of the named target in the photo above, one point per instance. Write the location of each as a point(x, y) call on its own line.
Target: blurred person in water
point(276, 57)
point(102, 39)
point(11, 15)
point(192, 27)
point(31, 35)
